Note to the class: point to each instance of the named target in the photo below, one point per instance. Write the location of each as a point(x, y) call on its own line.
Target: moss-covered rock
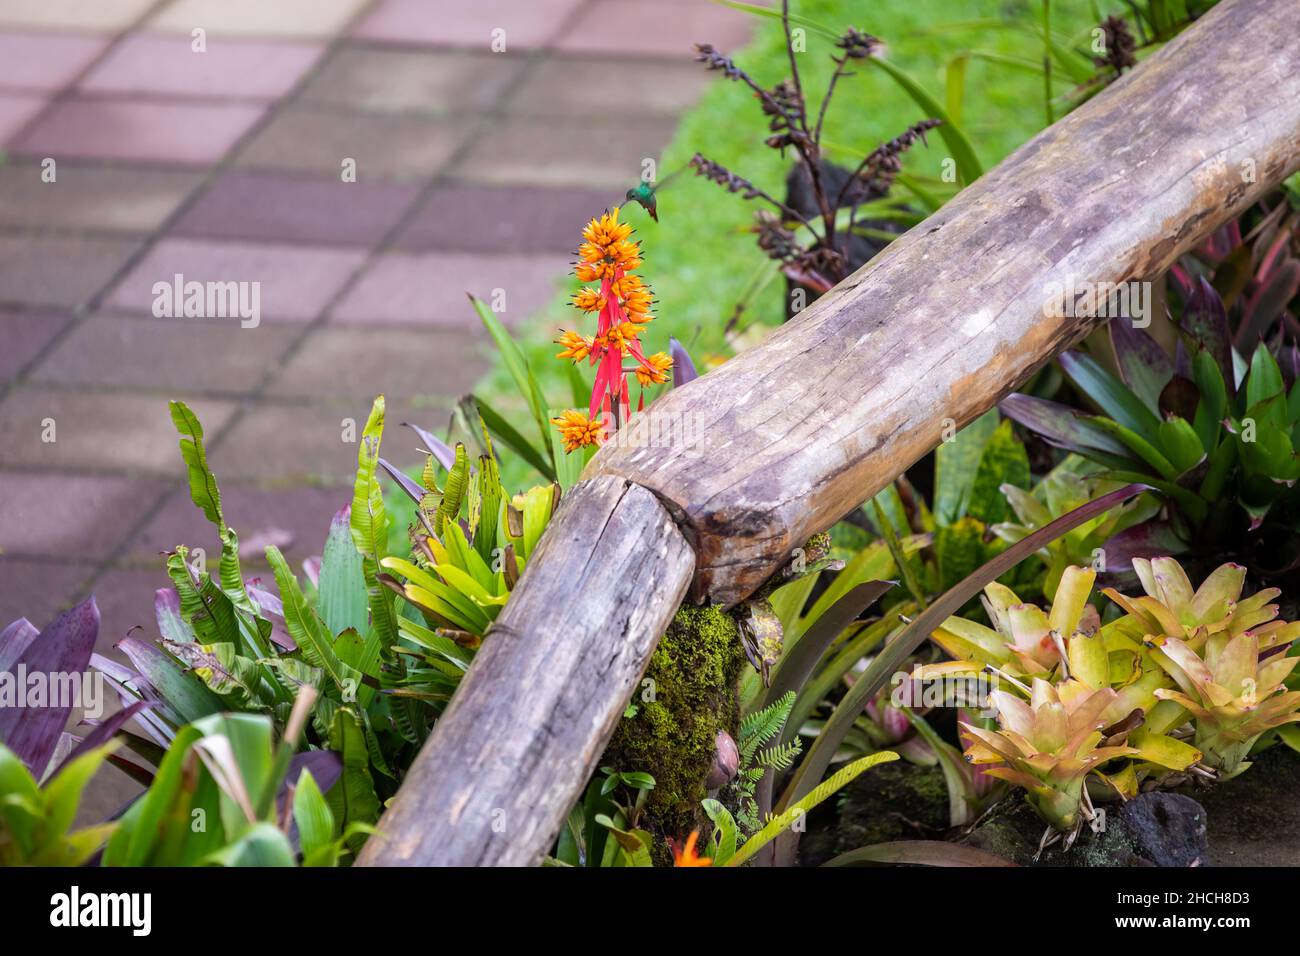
point(693, 677)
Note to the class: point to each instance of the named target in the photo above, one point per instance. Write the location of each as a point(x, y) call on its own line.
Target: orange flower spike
point(687, 856)
point(577, 430)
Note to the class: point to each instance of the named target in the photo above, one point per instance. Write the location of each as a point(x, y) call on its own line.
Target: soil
point(1252, 820)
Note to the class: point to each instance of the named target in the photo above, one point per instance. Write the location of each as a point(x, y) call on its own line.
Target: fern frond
point(781, 757)
point(762, 725)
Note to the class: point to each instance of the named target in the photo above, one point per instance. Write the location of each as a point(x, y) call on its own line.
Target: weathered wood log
point(785, 439)
point(495, 780)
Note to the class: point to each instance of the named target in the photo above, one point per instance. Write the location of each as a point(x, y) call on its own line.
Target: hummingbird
point(646, 193)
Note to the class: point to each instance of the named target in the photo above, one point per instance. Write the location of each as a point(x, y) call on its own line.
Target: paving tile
point(295, 282)
point(53, 514)
point(304, 511)
point(151, 354)
point(266, 206)
point(166, 65)
point(110, 431)
point(24, 335)
point(563, 152)
point(59, 271)
point(126, 601)
point(98, 15)
point(108, 793)
point(45, 61)
point(294, 18)
point(185, 133)
point(644, 27)
point(423, 81)
point(383, 146)
point(461, 217)
point(429, 288)
point(291, 445)
point(16, 111)
point(103, 198)
point(564, 85)
point(38, 590)
point(528, 24)
point(401, 363)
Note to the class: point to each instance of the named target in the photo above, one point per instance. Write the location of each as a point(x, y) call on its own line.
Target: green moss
point(694, 674)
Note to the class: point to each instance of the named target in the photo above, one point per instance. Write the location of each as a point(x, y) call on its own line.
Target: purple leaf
point(167, 610)
point(1060, 424)
point(15, 639)
point(683, 367)
point(1268, 302)
point(104, 730)
point(1206, 322)
point(267, 601)
point(326, 766)
point(62, 648)
point(1150, 539)
point(435, 446)
point(1143, 364)
point(311, 568)
point(413, 491)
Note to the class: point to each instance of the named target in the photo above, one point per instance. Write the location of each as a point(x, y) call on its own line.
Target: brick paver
point(477, 154)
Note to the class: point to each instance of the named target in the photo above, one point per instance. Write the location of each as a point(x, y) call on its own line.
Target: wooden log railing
point(785, 439)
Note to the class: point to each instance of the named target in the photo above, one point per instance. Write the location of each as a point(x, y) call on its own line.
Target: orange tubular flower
point(588, 300)
point(575, 346)
point(655, 369)
point(577, 431)
point(687, 856)
point(622, 301)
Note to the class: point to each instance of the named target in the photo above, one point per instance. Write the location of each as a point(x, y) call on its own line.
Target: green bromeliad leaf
point(314, 639)
point(341, 594)
point(955, 464)
point(1003, 462)
point(453, 492)
point(352, 799)
point(203, 485)
point(369, 524)
point(960, 549)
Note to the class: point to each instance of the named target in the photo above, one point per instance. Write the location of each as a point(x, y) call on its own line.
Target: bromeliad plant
point(1203, 408)
point(1119, 702)
point(1221, 454)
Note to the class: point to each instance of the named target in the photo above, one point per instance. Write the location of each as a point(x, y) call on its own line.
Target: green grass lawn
point(699, 258)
